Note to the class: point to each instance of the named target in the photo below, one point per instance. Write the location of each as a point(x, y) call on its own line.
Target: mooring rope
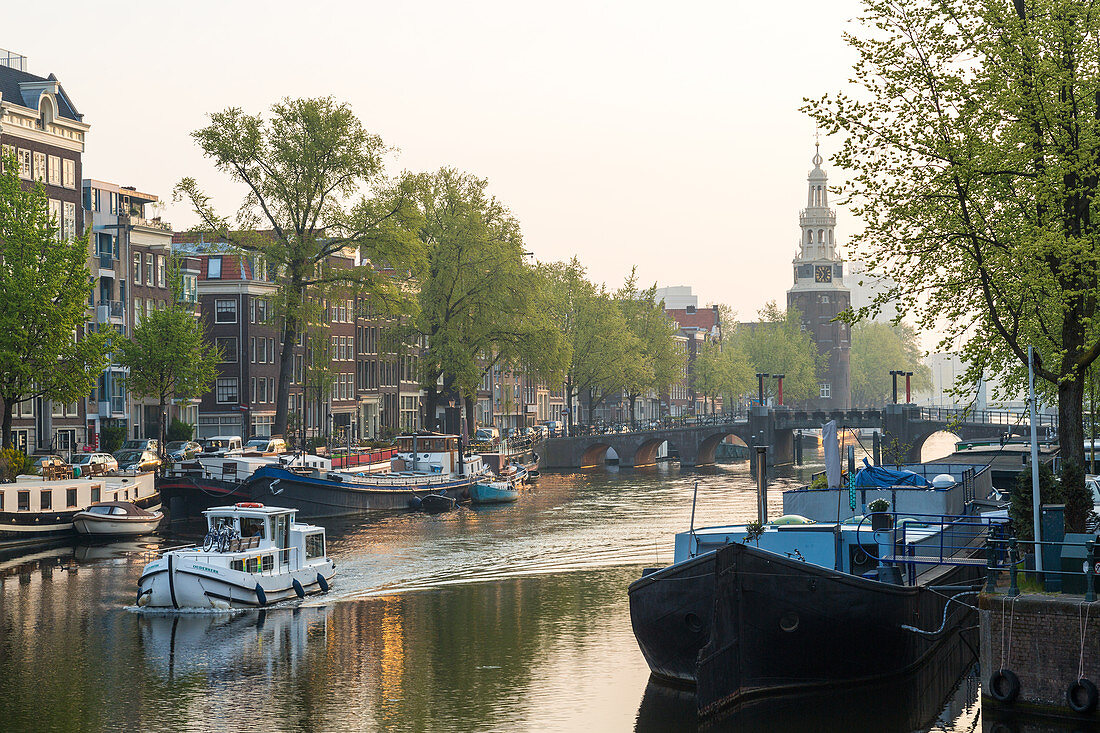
point(1083, 625)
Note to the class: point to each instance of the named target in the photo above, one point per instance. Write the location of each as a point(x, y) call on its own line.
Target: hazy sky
point(665, 135)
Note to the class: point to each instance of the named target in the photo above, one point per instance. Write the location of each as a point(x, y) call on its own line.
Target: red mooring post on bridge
point(779, 378)
point(908, 398)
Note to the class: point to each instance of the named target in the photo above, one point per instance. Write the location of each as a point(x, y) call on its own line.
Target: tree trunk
point(469, 404)
point(1071, 438)
point(431, 404)
point(8, 406)
point(291, 327)
point(163, 420)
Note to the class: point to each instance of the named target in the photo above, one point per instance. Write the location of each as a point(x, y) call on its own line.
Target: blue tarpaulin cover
point(878, 477)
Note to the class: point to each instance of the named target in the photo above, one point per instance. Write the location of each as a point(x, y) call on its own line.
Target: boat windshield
point(217, 522)
point(99, 510)
point(252, 527)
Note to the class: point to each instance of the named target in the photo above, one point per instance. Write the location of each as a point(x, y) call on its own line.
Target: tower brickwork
point(820, 294)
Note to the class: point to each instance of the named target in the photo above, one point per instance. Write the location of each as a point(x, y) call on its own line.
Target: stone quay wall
point(1038, 637)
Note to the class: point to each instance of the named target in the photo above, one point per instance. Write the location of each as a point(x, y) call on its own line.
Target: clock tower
point(820, 294)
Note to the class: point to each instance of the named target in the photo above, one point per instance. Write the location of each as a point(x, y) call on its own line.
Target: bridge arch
point(595, 455)
point(708, 445)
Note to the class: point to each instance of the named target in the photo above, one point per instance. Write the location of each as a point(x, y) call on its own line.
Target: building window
point(149, 270)
point(137, 309)
point(54, 165)
point(137, 268)
point(24, 163)
point(68, 228)
point(55, 216)
point(225, 311)
point(40, 167)
point(214, 268)
point(160, 271)
point(69, 168)
point(228, 348)
point(70, 497)
point(826, 390)
point(226, 391)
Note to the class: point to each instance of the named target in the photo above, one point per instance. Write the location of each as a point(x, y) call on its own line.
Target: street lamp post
point(779, 379)
point(760, 377)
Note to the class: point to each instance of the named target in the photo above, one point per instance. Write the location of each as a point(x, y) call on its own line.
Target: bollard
point(1013, 587)
point(1090, 559)
point(990, 563)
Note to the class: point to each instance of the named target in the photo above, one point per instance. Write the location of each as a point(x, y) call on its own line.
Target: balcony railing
point(109, 309)
point(106, 261)
point(138, 221)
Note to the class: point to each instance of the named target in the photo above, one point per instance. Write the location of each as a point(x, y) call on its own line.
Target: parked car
point(149, 444)
point(95, 464)
point(49, 458)
point(486, 435)
point(265, 446)
point(183, 450)
point(222, 445)
point(137, 460)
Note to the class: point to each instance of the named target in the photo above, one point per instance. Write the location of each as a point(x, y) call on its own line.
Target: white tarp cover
point(832, 454)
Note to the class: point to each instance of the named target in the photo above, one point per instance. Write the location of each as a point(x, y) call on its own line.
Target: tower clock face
point(823, 274)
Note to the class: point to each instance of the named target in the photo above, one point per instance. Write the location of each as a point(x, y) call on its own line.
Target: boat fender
point(260, 595)
point(1004, 686)
point(298, 589)
point(143, 597)
point(1081, 696)
point(322, 582)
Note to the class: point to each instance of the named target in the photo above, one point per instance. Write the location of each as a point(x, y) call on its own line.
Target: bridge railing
point(986, 417)
point(637, 426)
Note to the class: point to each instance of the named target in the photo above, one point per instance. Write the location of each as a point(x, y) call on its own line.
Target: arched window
point(809, 237)
point(821, 235)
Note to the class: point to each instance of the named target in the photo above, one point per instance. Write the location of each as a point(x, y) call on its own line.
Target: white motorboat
point(253, 556)
point(115, 518)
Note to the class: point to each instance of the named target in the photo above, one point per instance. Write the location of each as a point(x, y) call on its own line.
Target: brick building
point(40, 126)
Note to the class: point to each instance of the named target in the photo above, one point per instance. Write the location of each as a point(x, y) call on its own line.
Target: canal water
point(509, 618)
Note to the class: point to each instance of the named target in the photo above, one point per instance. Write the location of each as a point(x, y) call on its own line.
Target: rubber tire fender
point(1081, 696)
point(1004, 686)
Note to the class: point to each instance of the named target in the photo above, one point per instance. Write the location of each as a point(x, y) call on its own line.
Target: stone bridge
point(903, 428)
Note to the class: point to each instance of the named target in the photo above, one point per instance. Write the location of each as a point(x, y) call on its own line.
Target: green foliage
point(180, 430)
point(13, 463)
point(44, 286)
point(1076, 496)
point(753, 532)
point(111, 438)
point(778, 345)
point(821, 481)
point(480, 303)
point(878, 505)
point(1020, 499)
point(657, 362)
point(304, 168)
point(973, 142)
point(877, 349)
point(721, 369)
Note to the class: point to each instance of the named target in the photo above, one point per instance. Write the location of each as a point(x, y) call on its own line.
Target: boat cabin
point(433, 453)
point(267, 538)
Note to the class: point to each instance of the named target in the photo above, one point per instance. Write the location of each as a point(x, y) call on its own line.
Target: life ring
point(1081, 696)
point(1004, 686)
point(249, 505)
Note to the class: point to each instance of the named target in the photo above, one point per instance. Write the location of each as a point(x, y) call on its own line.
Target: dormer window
point(690, 310)
point(46, 112)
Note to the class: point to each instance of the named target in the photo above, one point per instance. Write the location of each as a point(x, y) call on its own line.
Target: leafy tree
point(1020, 499)
point(44, 287)
point(711, 372)
point(179, 430)
point(301, 168)
point(877, 349)
point(659, 363)
point(974, 145)
point(111, 437)
point(599, 344)
point(776, 344)
point(480, 303)
point(169, 358)
point(1076, 496)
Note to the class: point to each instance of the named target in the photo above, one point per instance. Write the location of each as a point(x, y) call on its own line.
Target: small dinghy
point(437, 503)
point(114, 519)
point(493, 492)
point(252, 556)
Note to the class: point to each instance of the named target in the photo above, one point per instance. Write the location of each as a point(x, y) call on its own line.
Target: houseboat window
point(237, 565)
point(315, 545)
point(70, 497)
point(252, 527)
point(1, 501)
point(47, 500)
point(95, 494)
point(259, 564)
point(24, 501)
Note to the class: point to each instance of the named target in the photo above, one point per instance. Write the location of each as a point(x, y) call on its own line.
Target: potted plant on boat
point(879, 518)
